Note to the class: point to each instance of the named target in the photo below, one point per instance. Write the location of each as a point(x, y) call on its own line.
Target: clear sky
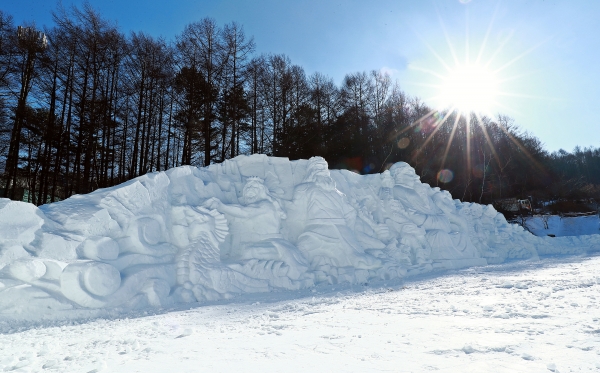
point(544, 54)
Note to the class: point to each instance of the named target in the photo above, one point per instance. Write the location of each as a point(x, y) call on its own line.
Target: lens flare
point(467, 90)
point(354, 164)
point(403, 143)
point(368, 168)
point(445, 176)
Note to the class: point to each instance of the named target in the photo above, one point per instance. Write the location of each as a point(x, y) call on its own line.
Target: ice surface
point(252, 224)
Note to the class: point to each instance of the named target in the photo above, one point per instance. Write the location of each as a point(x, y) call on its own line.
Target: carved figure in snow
point(473, 214)
point(255, 229)
point(200, 274)
point(423, 212)
point(483, 231)
point(328, 220)
point(413, 248)
point(368, 226)
point(459, 226)
point(497, 243)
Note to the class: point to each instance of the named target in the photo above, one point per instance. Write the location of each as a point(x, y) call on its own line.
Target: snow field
point(521, 317)
point(567, 226)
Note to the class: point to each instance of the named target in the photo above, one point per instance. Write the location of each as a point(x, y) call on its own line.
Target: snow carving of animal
point(201, 275)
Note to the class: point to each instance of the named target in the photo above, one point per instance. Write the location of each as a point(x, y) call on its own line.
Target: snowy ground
point(520, 317)
point(573, 226)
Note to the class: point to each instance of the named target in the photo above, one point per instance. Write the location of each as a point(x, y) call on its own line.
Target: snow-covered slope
point(565, 226)
point(541, 316)
point(252, 224)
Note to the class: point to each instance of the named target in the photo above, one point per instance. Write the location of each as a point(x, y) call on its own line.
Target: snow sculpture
point(19, 223)
point(447, 242)
point(197, 233)
point(328, 238)
point(256, 230)
point(250, 224)
point(413, 243)
point(483, 231)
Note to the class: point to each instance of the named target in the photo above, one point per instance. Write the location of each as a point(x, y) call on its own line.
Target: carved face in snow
point(254, 191)
point(444, 199)
point(404, 175)
point(318, 172)
point(317, 167)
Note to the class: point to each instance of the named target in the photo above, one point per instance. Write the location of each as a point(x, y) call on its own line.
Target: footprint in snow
point(96, 367)
point(186, 332)
point(49, 364)
point(526, 357)
point(468, 349)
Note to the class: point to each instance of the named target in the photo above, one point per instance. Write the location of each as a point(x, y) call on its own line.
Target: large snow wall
point(250, 224)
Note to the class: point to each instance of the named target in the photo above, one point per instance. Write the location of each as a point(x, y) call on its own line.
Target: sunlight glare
point(470, 88)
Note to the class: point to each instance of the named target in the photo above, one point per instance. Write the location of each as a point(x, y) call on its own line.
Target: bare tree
point(234, 100)
point(30, 44)
point(203, 51)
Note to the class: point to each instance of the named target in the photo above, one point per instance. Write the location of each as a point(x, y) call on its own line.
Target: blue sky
point(547, 52)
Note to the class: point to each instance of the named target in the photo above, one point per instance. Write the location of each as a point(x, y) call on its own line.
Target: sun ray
point(435, 54)
point(518, 76)
point(522, 148)
point(452, 51)
point(467, 35)
point(473, 89)
point(536, 97)
point(438, 125)
point(468, 139)
point(507, 108)
point(522, 55)
point(454, 127)
point(416, 122)
point(499, 49)
point(428, 71)
point(433, 98)
point(487, 35)
point(488, 139)
point(419, 84)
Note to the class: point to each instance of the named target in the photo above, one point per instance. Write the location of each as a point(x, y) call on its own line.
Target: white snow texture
point(251, 224)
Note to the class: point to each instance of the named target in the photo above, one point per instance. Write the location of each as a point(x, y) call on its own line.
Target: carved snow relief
point(251, 224)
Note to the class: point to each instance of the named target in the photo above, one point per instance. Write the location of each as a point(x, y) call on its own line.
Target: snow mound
point(250, 224)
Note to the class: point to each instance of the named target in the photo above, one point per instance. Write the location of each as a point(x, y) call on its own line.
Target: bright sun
point(469, 88)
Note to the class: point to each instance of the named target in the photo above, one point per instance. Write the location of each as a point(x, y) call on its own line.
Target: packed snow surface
point(541, 316)
point(563, 226)
point(253, 224)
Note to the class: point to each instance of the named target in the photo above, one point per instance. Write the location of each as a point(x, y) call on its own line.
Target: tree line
point(83, 106)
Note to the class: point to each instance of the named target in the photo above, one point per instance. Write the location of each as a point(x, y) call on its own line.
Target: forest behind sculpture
point(250, 224)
